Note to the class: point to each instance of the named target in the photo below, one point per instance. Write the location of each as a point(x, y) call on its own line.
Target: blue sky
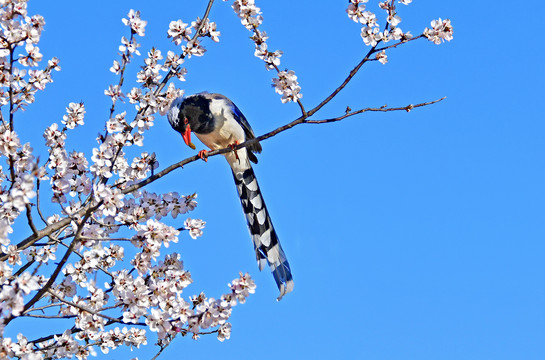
point(410, 235)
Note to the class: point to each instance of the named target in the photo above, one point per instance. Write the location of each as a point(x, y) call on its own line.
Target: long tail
point(266, 244)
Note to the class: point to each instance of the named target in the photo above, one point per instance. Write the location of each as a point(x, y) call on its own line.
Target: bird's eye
point(186, 121)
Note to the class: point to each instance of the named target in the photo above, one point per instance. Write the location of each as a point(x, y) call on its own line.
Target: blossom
point(74, 116)
point(54, 64)
point(243, 287)
point(158, 322)
point(248, 12)
point(131, 46)
point(441, 30)
point(114, 91)
point(179, 31)
point(136, 24)
point(9, 141)
point(371, 35)
point(355, 10)
point(54, 137)
point(110, 198)
point(208, 29)
point(116, 68)
point(193, 47)
point(382, 57)
point(224, 332)
point(32, 57)
point(194, 226)
point(286, 84)
point(5, 230)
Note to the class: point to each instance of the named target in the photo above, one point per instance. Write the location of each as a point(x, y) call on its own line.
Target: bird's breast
point(227, 131)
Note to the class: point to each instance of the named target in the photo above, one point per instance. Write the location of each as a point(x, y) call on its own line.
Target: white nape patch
point(172, 116)
point(257, 202)
point(261, 216)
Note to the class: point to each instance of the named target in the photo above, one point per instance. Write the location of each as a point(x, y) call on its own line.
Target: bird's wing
point(241, 119)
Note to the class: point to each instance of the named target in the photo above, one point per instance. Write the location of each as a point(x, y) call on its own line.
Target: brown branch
point(49, 316)
point(344, 83)
point(85, 309)
point(355, 70)
point(183, 332)
point(105, 239)
point(404, 41)
point(81, 257)
point(48, 230)
point(380, 109)
point(41, 308)
point(56, 272)
point(29, 219)
point(38, 201)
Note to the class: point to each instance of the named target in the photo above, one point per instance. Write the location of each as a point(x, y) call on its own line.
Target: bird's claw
point(232, 146)
point(203, 154)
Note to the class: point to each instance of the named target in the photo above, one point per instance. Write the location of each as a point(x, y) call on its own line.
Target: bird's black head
point(191, 114)
point(179, 120)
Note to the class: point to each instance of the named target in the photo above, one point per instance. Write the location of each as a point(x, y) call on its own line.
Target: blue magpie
point(219, 123)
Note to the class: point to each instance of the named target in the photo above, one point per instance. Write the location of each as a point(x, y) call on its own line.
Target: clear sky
point(410, 235)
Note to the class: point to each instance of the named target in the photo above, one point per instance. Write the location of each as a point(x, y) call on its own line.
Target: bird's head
point(179, 120)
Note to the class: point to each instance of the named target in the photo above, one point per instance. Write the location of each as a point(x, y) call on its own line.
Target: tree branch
point(86, 309)
point(380, 109)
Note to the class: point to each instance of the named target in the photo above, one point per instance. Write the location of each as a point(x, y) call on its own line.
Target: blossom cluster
point(372, 34)
point(441, 30)
point(19, 37)
point(100, 259)
point(250, 16)
point(181, 32)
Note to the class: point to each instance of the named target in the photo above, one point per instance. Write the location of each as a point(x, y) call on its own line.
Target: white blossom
point(74, 117)
point(287, 85)
point(179, 31)
point(382, 57)
point(136, 24)
point(194, 226)
point(441, 30)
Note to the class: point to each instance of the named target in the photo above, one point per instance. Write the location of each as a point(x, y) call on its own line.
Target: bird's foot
point(232, 146)
point(203, 154)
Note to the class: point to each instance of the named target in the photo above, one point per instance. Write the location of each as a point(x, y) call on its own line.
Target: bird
point(218, 123)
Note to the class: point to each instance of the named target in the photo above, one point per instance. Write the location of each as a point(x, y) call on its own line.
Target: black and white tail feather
point(218, 123)
point(266, 245)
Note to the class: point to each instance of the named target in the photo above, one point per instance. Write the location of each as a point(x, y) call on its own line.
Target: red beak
point(186, 135)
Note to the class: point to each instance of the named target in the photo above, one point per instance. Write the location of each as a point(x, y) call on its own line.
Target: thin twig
point(29, 219)
point(38, 200)
point(380, 109)
point(84, 308)
point(344, 83)
point(49, 316)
